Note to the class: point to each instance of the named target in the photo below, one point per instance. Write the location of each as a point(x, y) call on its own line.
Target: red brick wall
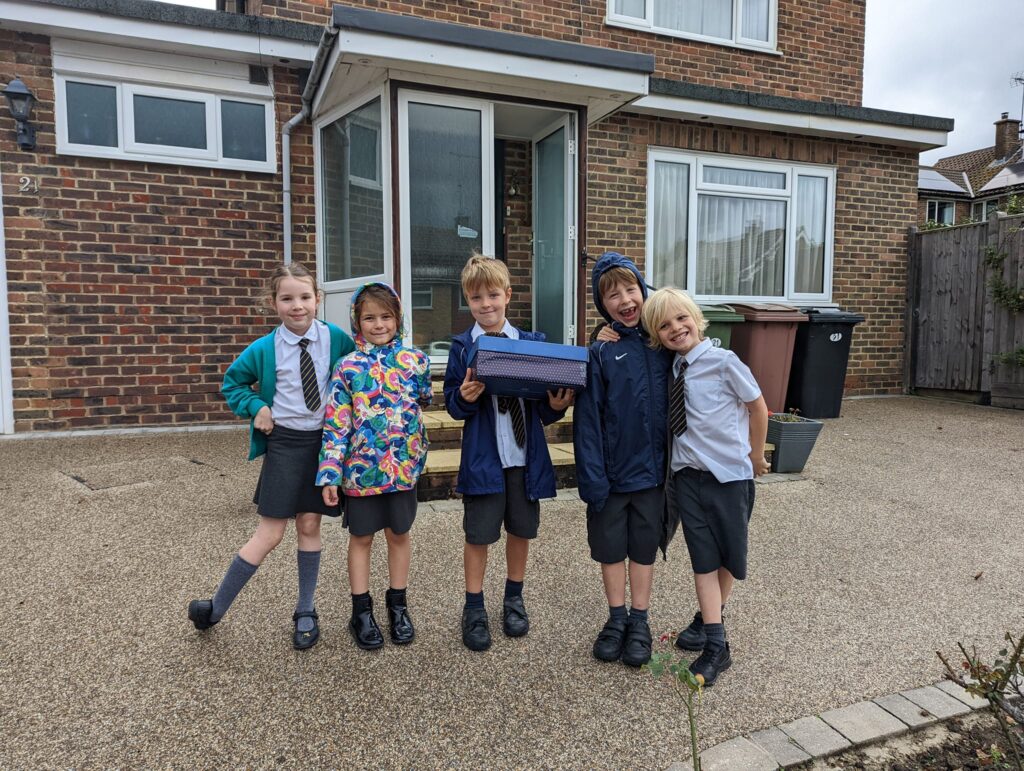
point(821, 41)
point(133, 285)
point(519, 232)
point(875, 204)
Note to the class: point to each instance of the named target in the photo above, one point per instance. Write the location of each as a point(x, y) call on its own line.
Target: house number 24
point(28, 185)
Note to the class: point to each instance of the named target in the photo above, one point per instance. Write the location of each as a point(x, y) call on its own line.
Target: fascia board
point(790, 122)
point(150, 35)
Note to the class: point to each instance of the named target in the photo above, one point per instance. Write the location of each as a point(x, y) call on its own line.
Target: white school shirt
point(290, 408)
point(510, 453)
point(717, 435)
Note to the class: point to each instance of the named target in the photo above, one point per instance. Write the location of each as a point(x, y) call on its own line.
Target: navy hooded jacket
point(480, 471)
point(620, 424)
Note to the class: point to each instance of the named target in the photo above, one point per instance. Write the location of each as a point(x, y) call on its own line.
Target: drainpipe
point(312, 84)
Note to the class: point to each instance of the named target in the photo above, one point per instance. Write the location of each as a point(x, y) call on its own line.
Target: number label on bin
point(716, 342)
point(835, 337)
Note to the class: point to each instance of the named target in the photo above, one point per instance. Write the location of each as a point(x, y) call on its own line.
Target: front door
point(554, 231)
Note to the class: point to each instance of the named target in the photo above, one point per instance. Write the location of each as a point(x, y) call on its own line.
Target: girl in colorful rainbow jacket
point(374, 448)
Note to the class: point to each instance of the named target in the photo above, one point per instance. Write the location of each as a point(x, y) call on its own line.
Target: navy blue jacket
point(620, 424)
point(480, 471)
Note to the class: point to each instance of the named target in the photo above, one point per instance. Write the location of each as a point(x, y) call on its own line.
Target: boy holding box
point(620, 436)
point(505, 468)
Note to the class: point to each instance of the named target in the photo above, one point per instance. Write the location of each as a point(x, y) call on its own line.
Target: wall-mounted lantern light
point(20, 101)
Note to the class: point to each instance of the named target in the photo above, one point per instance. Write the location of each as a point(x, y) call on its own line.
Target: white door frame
point(6, 381)
point(486, 109)
point(568, 123)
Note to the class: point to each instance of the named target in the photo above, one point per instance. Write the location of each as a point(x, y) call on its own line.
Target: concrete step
point(445, 432)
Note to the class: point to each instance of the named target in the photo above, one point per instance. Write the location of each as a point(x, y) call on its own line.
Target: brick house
point(181, 152)
point(970, 186)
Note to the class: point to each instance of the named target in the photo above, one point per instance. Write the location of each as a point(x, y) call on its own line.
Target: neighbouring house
point(180, 153)
point(970, 186)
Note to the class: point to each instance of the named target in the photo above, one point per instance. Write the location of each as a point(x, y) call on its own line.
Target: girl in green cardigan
point(290, 368)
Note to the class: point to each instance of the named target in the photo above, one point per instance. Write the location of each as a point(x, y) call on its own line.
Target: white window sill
point(612, 21)
point(87, 151)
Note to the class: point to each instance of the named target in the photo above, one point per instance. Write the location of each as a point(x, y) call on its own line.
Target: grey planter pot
point(793, 442)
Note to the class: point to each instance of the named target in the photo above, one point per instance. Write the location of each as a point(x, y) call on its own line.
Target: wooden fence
point(956, 332)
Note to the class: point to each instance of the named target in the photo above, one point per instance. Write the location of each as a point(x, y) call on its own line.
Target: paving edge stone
point(815, 736)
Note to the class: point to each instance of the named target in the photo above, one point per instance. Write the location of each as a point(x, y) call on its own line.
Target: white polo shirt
point(510, 453)
point(717, 435)
point(289, 405)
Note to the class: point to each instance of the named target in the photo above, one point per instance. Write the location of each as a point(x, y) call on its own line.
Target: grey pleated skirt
point(286, 486)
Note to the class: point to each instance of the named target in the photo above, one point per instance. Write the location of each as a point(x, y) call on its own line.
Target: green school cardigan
point(258, 364)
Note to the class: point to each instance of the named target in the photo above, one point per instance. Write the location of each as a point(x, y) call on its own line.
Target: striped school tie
point(677, 403)
point(513, 407)
point(310, 389)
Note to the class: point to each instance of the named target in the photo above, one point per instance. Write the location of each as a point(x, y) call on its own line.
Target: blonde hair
point(291, 270)
point(481, 271)
point(615, 276)
point(664, 304)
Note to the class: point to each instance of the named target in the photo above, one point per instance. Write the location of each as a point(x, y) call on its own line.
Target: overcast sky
point(950, 58)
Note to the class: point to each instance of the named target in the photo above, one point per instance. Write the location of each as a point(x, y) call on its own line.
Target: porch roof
point(372, 45)
point(736, 107)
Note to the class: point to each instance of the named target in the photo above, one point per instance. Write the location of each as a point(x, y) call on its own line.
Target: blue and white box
point(526, 368)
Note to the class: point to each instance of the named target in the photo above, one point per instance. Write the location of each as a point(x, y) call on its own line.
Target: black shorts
point(629, 525)
point(287, 483)
point(366, 514)
point(483, 515)
point(715, 516)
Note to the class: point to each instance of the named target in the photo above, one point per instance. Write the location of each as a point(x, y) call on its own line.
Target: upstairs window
point(742, 23)
point(125, 104)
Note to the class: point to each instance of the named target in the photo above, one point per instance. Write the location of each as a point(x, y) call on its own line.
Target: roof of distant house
point(947, 182)
point(1011, 176)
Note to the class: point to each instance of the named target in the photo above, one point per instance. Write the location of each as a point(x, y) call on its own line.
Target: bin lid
point(720, 313)
point(769, 312)
point(832, 316)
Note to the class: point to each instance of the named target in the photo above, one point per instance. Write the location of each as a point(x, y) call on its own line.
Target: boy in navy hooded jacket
point(620, 437)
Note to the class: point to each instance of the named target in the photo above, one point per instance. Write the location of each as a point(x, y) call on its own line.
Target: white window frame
point(418, 305)
point(936, 202)
point(696, 188)
point(984, 204)
point(373, 184)
point(154, 75)
point(736, 41)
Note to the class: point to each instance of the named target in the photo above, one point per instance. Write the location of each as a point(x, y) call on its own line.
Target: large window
point(728, 228)
point(941, 212)
point(743, 23)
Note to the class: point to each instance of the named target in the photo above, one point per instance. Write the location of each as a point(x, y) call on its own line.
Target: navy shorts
point(629, 525)
point(715, 516)
point(366, 514)
point(483, 515)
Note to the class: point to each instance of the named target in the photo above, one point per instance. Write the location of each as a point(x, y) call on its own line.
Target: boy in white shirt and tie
point(717, 425)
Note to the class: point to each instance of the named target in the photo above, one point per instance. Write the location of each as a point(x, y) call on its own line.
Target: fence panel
point(1007, 326)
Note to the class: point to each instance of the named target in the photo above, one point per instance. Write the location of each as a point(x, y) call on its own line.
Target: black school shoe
point(401, 628)
point(711, 663)
point(476, 633)
point(199, 612)
point(608, 646)
point(365, 630)
point(515, 621)
point(303, 640)
point(693, 637)
point(636, 651)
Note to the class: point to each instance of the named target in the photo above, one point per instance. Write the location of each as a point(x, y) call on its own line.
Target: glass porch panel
point(353, 226)
point(445, 215)
point(549, 237)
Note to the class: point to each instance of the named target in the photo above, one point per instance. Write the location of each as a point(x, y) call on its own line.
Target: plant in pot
point(793, 437)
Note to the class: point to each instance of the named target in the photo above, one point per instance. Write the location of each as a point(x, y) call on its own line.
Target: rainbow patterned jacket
point(374, 441)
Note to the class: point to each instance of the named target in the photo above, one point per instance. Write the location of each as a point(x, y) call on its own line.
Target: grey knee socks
point(309, 571)
point(239, 573)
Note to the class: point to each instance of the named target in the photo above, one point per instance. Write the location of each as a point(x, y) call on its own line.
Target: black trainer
point(608, 646)
point(476, 632)
point(636, 651)
point(199, 612)
point(711, 663)
point(693, 638)
point(515, 621)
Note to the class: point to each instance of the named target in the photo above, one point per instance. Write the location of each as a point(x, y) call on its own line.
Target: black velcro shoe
point(515, 621)
point(364, 628)
point(608, 646)
point(303, 640)
point(199, 612)
point(693, 638)
point(476, 632)
point(636, 651)
point(401, 628)
point(711, 663)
